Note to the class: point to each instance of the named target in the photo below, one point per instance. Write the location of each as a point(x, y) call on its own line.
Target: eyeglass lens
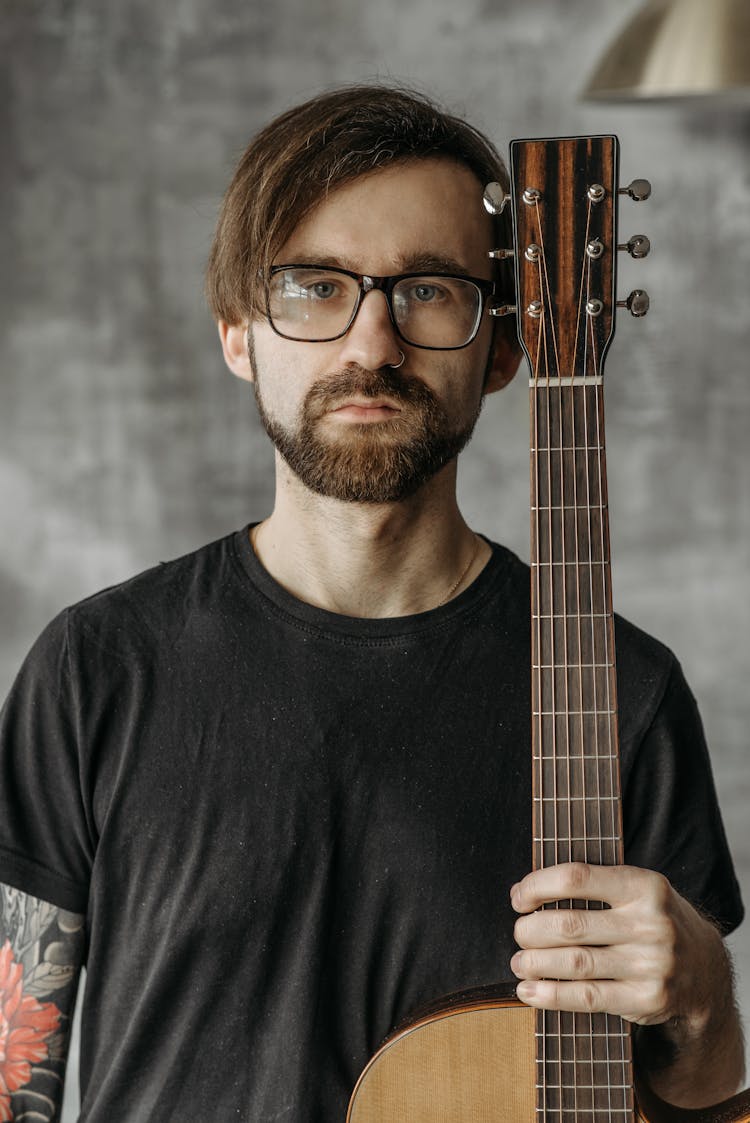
point(316, 304)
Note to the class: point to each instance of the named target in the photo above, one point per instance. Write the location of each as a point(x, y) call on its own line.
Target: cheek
point(283, 374)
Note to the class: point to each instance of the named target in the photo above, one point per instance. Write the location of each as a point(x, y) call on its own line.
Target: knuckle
point(570, 924)
point(579, 875)
point(589, 998)
point(582, 963)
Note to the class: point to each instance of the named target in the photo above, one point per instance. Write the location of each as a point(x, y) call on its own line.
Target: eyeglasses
point(315, 304)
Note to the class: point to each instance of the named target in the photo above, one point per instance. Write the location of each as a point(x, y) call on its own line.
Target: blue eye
point(425, 293)
point(322, 290)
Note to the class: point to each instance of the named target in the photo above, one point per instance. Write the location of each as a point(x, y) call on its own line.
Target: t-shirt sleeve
point(671, 813)
point(46, 838)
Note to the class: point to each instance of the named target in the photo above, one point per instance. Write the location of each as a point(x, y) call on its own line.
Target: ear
point(504, 361)
point(234, 345)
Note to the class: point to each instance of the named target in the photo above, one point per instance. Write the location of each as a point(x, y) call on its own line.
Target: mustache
point(402, 387)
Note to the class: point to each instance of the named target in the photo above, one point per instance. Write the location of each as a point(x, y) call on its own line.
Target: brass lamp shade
point(677, 48)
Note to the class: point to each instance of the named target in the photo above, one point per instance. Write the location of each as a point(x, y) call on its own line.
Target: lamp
point(677, 48)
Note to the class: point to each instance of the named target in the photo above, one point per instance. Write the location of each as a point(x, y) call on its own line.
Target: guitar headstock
point(564, 200)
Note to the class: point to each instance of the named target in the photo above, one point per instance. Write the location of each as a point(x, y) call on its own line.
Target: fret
point(583, 1066)
point(578, 564)
point(567, 507)
point(573, 615)
point(567, 448)
point(579, 1086)
point(579, 666)
point(576, 799)
point(571, 713)
point(579, 756)
point(579, 838)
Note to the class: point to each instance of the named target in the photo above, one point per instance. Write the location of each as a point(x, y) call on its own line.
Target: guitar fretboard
point(574, 691)
point(584, 1071)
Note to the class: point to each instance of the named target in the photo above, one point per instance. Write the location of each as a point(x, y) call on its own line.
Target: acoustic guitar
point(482, 1056)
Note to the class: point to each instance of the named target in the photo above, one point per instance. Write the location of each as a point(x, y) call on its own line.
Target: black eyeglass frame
point(386, 285)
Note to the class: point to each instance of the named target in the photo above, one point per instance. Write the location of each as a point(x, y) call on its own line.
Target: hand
point(649, 957)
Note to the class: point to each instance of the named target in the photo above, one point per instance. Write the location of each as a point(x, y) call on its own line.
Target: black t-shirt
point(289, 828)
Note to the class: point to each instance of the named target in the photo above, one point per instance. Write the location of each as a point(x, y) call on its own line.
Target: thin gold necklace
point(462, 575)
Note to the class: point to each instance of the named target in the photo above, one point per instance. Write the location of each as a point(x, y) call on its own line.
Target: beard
point(374, 462)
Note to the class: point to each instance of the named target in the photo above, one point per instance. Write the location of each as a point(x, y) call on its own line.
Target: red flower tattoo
point(25, 1028)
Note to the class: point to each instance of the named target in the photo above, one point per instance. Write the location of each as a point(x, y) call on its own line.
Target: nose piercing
point(395, 366)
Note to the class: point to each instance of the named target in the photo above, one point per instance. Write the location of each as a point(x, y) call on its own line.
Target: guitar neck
point(577, 809)
point(564, 194)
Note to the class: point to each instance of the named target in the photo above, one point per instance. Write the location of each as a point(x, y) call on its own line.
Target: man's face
point(348, 424)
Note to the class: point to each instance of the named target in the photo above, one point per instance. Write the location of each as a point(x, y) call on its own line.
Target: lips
point(368, 410)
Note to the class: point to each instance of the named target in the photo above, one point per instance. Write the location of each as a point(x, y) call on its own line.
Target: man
point(276, 793)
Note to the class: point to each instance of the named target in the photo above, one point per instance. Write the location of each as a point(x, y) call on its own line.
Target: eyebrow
point(413, 263)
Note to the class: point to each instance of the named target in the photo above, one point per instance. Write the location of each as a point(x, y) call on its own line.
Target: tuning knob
point(637, 246)
point(501, 255)
point(495, 197)
point(639, 190)
point(637, 303)
point(503, 310)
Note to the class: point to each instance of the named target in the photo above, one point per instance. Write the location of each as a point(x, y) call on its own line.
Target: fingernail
point(515, 963)
point(526, 990)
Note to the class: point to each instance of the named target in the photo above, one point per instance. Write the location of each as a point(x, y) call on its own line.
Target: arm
point(41, 951)
point(649, 957)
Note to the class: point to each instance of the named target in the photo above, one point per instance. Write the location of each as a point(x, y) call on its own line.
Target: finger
point(646, 1006)
point(615, 885)
point(574, 964)
point(553, 928)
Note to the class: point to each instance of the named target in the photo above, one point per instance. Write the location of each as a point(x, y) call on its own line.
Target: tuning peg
point(639, 190)
point(637, 303)
point(495, 197)
point(637, 246)
point(501, 255)
point(503, 310)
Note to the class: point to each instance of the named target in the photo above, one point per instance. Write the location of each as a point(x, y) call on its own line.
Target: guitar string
point(561, 659)
point(585, 282)
point(614, 828)
point(606, 828)
point(585, 279)
point(595, 681)
point(544, 290)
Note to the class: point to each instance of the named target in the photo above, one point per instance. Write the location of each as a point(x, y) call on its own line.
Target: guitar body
point(473, 1060)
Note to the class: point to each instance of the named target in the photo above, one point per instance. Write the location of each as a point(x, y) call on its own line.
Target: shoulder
point(152, 606)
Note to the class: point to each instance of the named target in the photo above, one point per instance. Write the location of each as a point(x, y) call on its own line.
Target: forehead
point(383, 221)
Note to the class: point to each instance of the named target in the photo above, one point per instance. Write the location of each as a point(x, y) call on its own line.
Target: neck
point(370, 560)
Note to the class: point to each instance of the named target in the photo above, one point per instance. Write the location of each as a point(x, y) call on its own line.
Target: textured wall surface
point(123, 440)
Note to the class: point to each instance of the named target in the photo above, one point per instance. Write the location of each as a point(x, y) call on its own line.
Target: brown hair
point(291, 165)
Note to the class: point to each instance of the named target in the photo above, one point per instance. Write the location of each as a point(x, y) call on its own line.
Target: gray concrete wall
point(122, 438)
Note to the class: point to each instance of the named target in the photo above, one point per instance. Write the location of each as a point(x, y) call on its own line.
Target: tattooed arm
point(41, 951)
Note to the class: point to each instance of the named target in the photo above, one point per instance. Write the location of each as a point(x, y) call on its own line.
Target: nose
point(371, 341)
